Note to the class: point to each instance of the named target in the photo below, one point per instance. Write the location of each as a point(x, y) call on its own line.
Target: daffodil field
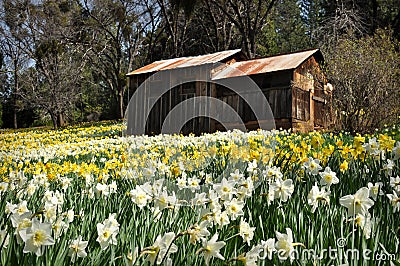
point(87, 195)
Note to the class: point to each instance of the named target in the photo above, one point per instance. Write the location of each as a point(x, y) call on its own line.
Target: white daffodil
point(252, 168)
point(37, 236)
point(111, 221)
point(198, 231)
point(245, 188)
point(162, 200)
point(106, 235)
point(396, 151)
point(70, 214)
point(221, 218)
point(272, 172)
point(328, 177)
point(58, 198)
point(312, 166)
point(22, 208)
point(193, 183)
point(211, 248)
point(102, 189)
point(357, 203)
point(252, 256)
point(200, 199)
point(181, 182)
point(316, 196)
point(375, 190)
point(59, 227)
point(245, 231)
point(364, 222)
point(270, 195)
point(285, 246)
point(395, 201)
point(4, 238)
point(107, 232)
point(234, 208)
point(31, 188)
point(113, 187)
point(372, 147)
point(283, 189)
point(10, 208)
point(4, 187)
point(395, 183)
point(388, 167)
point(77, 249)
point(20, 222)
point(225, 189)
point(213, 198)
point(140, 196)
point(50, 212)
point(268, 248)
point(161, 249)
point(65, 183)
point(236, 176)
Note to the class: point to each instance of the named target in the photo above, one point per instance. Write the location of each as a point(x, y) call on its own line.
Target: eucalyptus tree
point(13, 56)
point(117, 28)
point(48, 33)
point(249, 17)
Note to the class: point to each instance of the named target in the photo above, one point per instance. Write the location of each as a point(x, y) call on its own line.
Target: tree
point(176, 17)
point(341, 20)
point(290, 30)
point(117, 32)
point(213, 28)
point(366, 77)
point(13, 55)
point(249, 17)
point(51, 38)
point(312, 14)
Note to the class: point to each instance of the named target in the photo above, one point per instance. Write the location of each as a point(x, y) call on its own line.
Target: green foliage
point(365, 73)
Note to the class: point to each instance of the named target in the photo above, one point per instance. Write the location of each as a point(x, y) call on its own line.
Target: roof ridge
point(281, 54)
point(195, 56)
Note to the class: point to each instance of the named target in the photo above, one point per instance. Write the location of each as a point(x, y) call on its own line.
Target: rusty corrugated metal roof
point(184, 62)
point(265, 65)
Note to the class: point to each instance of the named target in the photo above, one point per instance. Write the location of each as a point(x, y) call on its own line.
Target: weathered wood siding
point(310, 101)
point(297, 98)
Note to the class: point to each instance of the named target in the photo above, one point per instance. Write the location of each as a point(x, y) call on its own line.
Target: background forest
point(65, 61)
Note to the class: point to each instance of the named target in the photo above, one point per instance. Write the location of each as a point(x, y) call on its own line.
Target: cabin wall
point(276, 87)
point(175, 97)
point(297, 98)
point(310, 101)
point(277, 90)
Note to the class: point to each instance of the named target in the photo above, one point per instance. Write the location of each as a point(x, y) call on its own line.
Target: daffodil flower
point(37, 236)
point(357, 203)
point(77, 249)
point(211, 248)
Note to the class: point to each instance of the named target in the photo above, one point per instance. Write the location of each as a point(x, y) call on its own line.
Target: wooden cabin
point(293, 84)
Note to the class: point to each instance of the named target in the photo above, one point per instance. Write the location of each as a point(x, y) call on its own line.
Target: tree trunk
point(61, 121)
point(16, 88)
point(15, 122)
point(54, 119)
point(120, 104)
